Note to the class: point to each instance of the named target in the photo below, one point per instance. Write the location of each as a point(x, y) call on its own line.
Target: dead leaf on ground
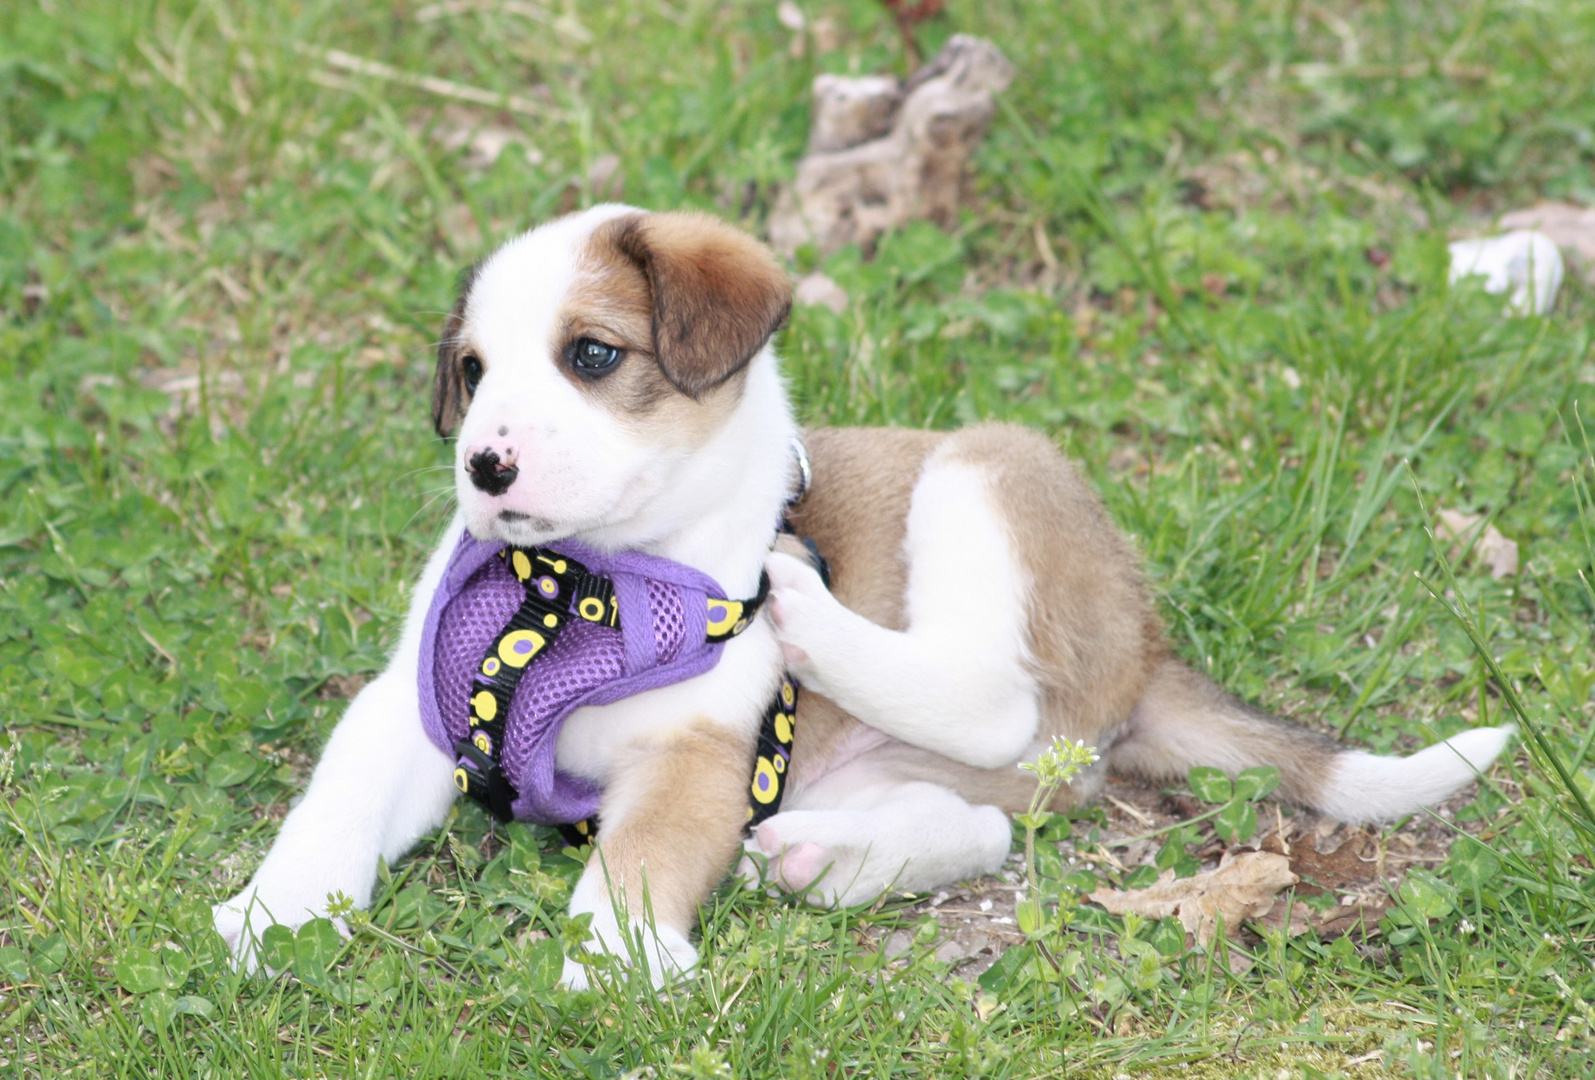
point(1243, 886)
point(1333, 866)
point(1498, 553)
point(1294, 918)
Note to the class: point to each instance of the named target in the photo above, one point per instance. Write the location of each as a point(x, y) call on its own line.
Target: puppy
point(613, 389)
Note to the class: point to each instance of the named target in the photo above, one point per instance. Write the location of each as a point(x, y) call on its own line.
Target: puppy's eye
point(592, 358)
point(472, 368)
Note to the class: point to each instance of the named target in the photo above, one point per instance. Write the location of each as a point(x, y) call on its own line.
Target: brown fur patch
point(685, 796)
point(1094, 636)
point(1184, 719)
point(449, 396)
point(717, 293)
point(612, 301)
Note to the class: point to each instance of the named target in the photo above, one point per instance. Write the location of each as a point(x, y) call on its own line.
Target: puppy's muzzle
point(491, 474)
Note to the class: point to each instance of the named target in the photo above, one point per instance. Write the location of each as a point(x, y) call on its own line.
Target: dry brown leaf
point(1498, 553)
point(1242, 887)
point(1327, 865)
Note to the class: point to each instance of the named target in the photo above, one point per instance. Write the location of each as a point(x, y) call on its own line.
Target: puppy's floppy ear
point(448, 382)
point(718, 294)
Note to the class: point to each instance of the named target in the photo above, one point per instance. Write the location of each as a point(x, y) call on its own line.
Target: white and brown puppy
point(611, 379)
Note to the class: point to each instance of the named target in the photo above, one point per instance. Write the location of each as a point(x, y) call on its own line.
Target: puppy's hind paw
point(787, 572)
point(802, 609)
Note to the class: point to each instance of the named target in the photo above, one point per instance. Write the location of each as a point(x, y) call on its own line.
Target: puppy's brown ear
point(448, 381)
point(718, 294)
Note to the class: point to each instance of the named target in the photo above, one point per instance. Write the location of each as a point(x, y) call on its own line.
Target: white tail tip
point(1365, 787)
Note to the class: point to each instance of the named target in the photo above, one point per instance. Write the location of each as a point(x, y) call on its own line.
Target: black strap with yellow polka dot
point(553, 584)
point(774, 754)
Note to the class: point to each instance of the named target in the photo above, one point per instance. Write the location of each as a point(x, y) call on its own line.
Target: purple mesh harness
point(583, 628)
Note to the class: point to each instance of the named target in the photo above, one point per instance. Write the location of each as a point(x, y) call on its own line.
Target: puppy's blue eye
point(472, 369)
point(590, 357)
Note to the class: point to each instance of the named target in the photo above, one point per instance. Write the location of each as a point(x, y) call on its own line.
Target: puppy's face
point(589, 357)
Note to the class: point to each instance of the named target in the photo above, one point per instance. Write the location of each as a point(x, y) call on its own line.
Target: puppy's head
point(586, 358)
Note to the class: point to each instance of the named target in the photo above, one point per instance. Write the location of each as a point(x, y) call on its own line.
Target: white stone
point(1572, 227)
point(818, 290)
point(1523, 264)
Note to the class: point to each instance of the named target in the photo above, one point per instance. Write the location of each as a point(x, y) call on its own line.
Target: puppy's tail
point(1184, 720)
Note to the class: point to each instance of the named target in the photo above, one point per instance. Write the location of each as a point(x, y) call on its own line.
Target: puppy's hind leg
point(957, 680)
point(861, 831)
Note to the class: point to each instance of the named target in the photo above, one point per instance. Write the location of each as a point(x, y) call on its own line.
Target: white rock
point(818, 290)
point(1572, 227)
point(790, 16)
point(1523, 264)
point(1497, 552)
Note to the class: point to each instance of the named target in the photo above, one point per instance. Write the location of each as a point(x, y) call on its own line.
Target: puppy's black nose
point(489, 474)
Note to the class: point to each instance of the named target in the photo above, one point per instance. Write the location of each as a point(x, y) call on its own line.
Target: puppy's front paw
point(235, 921)
point(575, 977)
point(242, 921)
point(664, 952)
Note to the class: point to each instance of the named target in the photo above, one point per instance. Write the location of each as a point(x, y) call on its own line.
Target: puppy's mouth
point(516, 519)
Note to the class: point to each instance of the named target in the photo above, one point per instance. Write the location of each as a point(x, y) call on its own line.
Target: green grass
point(1206, 252)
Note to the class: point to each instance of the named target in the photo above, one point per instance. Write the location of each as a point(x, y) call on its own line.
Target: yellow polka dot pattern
point(774, 754)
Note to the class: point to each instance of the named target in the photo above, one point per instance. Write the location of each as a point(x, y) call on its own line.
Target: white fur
point(1365, 787)
point(580, 470)
point(664, 951)
point(956, 681)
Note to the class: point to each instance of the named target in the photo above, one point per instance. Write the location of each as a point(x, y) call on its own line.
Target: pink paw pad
point(796, 867)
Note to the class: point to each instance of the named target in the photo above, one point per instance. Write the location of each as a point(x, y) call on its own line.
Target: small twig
point(1127, 841)
point(1413, 70)
point(907, 14)
point(169, 71)
point(448, 88)
point(158, 647)
point(1140, 815)
point(564, 24)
